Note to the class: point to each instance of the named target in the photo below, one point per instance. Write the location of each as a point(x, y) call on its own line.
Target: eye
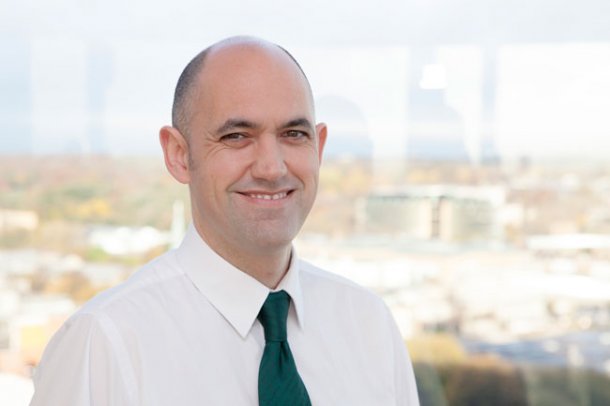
point(296, 134)
point(235, 140)
point(232, 137)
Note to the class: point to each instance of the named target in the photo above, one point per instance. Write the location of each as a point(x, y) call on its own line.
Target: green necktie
point(279, 383)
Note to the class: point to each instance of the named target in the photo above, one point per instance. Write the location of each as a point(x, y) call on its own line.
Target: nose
point(269, 161)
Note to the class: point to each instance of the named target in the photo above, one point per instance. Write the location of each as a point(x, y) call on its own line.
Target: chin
point(276, 240)
point(273, 243)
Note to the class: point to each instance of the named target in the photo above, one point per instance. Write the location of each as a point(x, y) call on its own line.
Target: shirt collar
point(237, 296)
point(291, 283)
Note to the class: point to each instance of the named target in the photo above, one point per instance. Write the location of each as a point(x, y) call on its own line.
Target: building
point(460, 214)
point(11, 220)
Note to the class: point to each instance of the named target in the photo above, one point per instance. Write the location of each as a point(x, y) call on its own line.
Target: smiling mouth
point(267, 196)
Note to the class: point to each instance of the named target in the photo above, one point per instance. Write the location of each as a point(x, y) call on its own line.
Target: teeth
point(269, 197)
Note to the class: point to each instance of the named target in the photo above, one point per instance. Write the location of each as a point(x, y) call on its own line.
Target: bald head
point(189, 83)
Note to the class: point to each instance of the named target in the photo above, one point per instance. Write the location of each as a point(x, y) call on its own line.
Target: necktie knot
point(273, 316)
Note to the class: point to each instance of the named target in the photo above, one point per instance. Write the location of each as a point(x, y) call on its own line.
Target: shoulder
point(140, 290)
point(103, 331)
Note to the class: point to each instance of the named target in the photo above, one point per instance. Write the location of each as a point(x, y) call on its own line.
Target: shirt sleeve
point(82, 366)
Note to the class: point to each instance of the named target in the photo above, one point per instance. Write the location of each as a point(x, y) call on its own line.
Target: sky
point(99, 75)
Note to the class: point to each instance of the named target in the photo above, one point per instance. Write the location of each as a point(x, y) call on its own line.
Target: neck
point(268, 269)
point(268, 266)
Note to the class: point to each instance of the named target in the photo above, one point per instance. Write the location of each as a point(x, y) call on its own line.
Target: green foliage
point(95, 254)
point(485, 385)
point(494, 382)
point(429, 385)
point(567, 387)
point(120, 191)
point(14, 239)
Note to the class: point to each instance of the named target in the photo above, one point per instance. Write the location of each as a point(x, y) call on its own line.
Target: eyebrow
point(235, 123)
point(298, 122)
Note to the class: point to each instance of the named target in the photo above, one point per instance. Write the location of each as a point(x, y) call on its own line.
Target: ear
point(175, 151)
point(321, 132)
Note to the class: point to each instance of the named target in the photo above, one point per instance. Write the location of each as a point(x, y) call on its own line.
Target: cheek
point(308, 169)
point(304, 163)
point(224, 167)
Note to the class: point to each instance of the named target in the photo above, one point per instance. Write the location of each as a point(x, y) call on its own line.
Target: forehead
point(252, 81)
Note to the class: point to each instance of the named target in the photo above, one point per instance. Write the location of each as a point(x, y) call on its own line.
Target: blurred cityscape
point(509, 259)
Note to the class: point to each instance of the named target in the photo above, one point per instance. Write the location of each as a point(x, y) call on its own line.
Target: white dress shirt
point(183, 331)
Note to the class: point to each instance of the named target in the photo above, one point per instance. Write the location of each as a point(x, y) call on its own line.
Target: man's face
point(254, 151)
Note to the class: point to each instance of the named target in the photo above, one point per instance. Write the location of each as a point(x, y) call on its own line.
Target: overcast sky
point(552, 64)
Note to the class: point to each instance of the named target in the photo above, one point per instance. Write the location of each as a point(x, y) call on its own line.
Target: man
point(232, 316)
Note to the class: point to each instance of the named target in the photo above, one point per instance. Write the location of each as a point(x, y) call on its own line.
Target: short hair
point(184, 93)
